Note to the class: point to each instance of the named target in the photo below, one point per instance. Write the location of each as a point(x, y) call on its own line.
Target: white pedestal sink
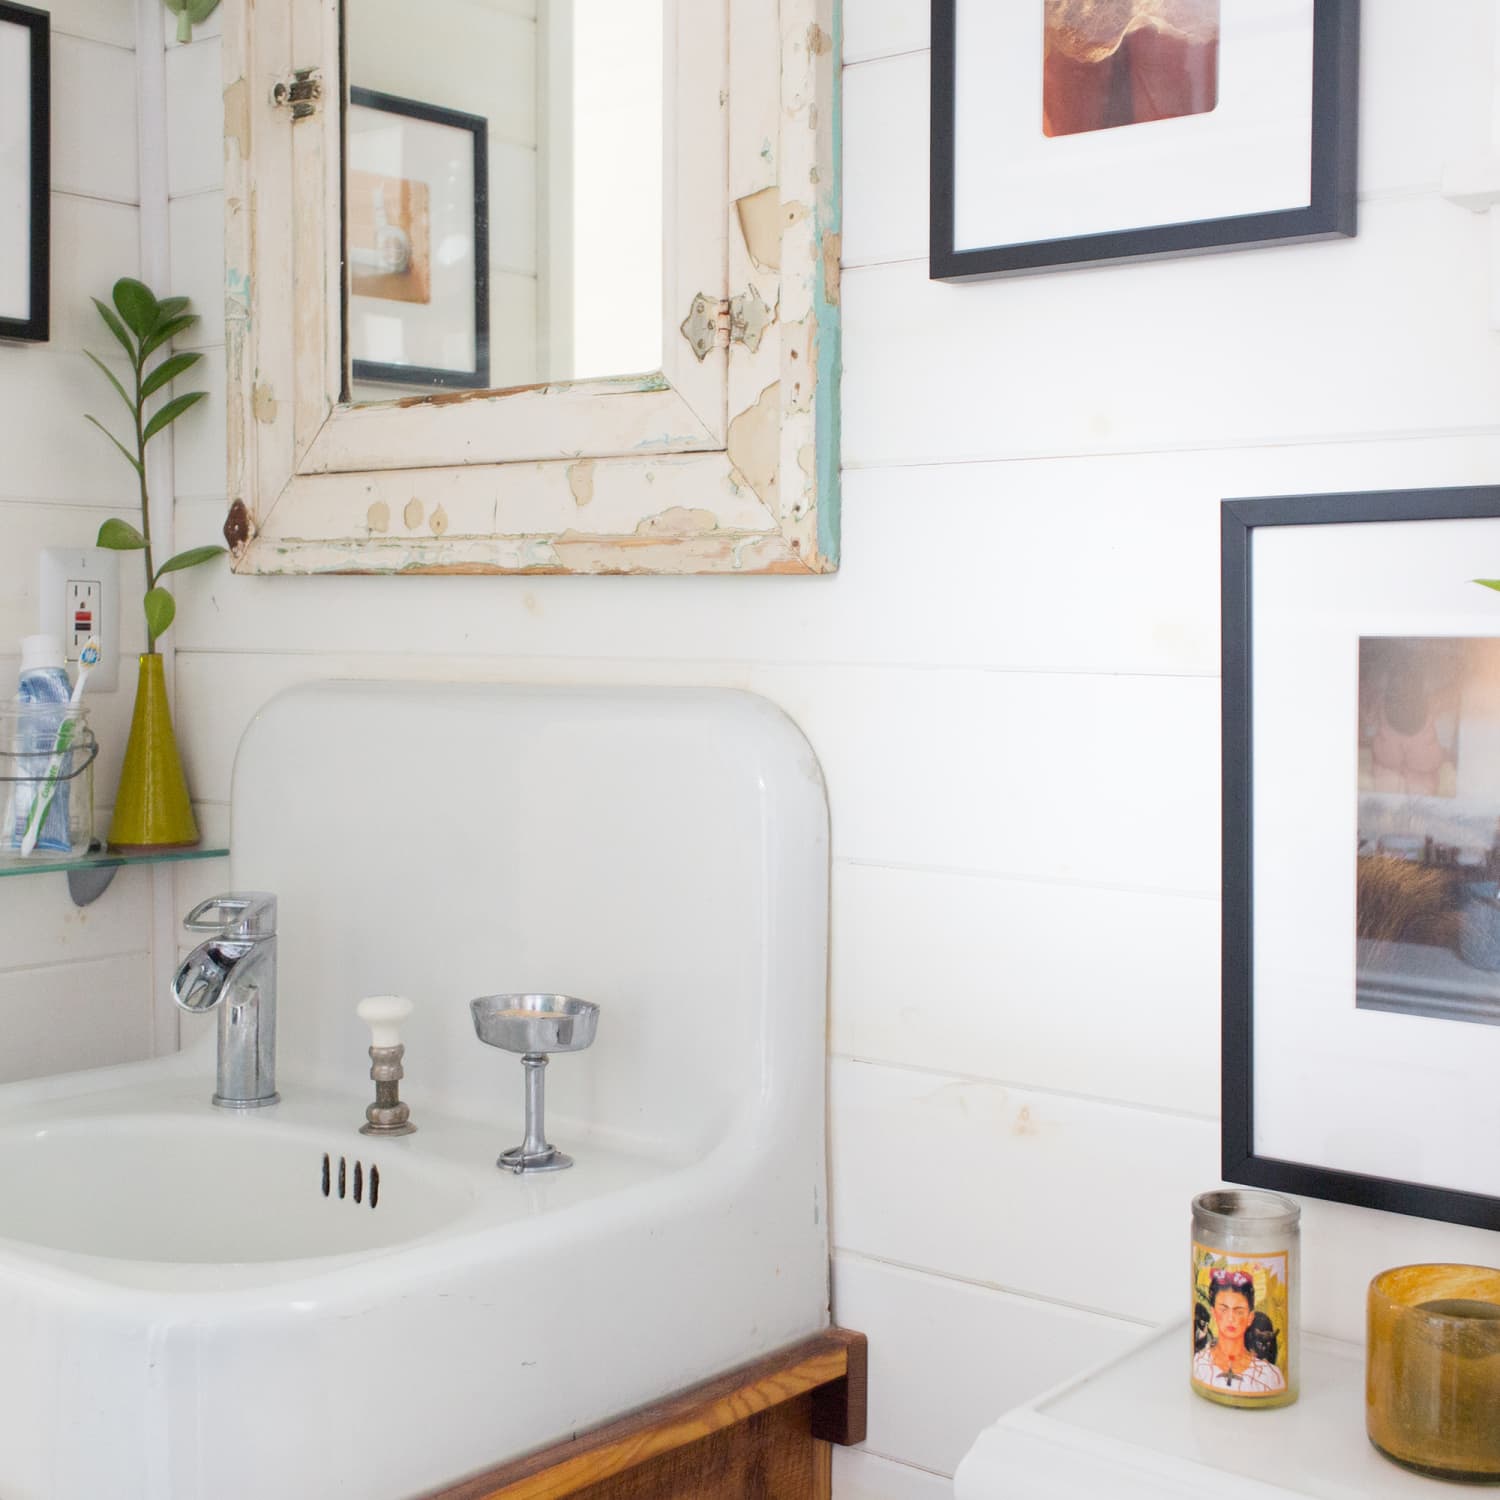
point(189, 1305)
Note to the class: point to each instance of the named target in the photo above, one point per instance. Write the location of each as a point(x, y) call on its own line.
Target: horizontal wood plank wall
point(195, 219)
point(1012, 687)
point(74, 985)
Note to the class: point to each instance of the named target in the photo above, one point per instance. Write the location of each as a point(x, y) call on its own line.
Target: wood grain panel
point(770, 1456)
point(763, 1412)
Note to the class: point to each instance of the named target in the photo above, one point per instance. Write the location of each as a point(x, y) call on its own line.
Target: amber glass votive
point(1432, 1370)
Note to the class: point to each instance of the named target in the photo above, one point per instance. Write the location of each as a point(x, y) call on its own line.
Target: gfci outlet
point(81, 598)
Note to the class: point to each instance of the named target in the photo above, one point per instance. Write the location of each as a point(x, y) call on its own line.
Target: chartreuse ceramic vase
point(152, 808)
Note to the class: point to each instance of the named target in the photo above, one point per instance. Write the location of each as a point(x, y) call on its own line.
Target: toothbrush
point(87, 658)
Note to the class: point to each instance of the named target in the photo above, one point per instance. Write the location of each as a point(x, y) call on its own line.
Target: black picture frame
point(477, 378)
point(35, 323)
point(1331, 212)
point(1241, 521)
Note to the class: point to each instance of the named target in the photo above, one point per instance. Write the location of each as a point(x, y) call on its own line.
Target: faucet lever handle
point(238, 914)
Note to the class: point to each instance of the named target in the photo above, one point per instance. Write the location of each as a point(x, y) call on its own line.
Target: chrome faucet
point(235, 970)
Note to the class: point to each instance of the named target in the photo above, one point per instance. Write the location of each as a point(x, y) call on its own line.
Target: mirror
point(503, 193)
point(567, 310)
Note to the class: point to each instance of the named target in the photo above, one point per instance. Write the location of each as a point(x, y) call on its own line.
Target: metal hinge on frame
point(303, 93)
point(717, 323)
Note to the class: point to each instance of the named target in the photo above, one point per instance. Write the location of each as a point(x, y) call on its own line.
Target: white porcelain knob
point(383, 1014)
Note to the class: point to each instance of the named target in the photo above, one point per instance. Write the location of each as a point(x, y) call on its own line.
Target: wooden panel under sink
point(762, 1432)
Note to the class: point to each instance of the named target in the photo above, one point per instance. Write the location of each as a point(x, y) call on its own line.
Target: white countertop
point(1133, 1430)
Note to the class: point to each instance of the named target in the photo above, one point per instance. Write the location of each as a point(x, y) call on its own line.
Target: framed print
point(416, 226)
point(1361, 1002)
point(25, 165)
point(1066, 132)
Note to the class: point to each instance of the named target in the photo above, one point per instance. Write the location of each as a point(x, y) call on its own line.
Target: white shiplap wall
point(74, 984)
point(1012, 688)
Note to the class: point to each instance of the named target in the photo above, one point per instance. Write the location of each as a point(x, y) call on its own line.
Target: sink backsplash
point(661, 852)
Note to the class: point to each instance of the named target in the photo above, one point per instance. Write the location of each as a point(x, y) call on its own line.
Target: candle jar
point(1246, 1273)
point(1432, 1370)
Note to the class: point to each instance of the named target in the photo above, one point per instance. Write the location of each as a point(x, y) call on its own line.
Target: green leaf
point(167, 371)
point(161, 610)
point(110, 376)
point(1489, 583)
point(117, 328)
point(171, 411)
point(136, 305)
point(130, 458)
point(120, 536)
point(167, 332)
point(189, 559)
point(169, 308)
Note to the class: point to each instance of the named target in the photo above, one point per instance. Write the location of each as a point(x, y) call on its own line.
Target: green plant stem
point(140, 448)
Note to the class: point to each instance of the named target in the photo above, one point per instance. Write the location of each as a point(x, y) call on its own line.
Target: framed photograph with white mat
point(1067, 132)
point(1361, 719)
point(25, 184)
point(416, 223)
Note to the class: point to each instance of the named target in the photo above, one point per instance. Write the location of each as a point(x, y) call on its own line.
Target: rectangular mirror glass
point(503, 199)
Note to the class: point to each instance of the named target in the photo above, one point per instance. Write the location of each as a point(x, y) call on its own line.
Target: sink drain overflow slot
point(339, 1186)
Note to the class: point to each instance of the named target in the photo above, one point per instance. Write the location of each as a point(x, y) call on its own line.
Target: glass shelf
point(103, 860)
point(89, 875)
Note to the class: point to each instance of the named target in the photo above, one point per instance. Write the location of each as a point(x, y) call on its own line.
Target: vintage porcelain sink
point(188, 1307)
point(154, 1181)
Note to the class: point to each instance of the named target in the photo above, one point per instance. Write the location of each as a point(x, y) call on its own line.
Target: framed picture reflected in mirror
point(416, 236)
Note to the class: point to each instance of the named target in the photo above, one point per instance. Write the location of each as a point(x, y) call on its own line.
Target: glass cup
point(39, 784)
point(1432, 1370)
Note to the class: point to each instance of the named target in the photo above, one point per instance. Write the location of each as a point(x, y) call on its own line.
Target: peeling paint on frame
point(237, 118)
point(760, 223)
point(581, 481)
point(755, 445)
point(830, 319)
point(764, 498)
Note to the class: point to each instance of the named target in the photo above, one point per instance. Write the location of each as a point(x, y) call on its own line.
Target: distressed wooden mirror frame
point(726, 460)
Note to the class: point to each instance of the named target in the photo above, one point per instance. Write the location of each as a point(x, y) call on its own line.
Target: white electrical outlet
point(81, 598)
